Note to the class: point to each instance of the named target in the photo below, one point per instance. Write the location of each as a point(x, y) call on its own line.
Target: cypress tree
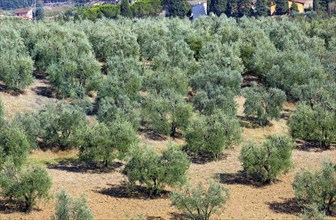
point(232, 8)
point(125, 9)
point(176, 8)
point(316, 5)
point(294, 7)
point(39, 13)
point(261, 8)
point(244, 8)
point(219, 6)
point(281, 7)
point(324, 5)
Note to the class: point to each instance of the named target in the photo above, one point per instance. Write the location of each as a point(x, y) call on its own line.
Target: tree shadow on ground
point(312, 146)
point(288, 206)
point(177, 216)
point(150, 134)
point(135, 192)
point(75, 166)
point(203, 158)
point(45, 91)
point(154, 218)
point(239, 178)
point(8, 206)
point(251, 122)
point(13, 92)
point(286, 113)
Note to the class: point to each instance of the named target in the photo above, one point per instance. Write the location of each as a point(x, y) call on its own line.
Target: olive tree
point(313, 124)
point(59, 123)
point(68, 208)
point(16, 66)
point(317, 188)
point(167, 113)
point(155, 171)
point(211, 134)
point(25, 185)
point(267, 161)
point(104, 143)
point(263, 105)
point(30, 124)
point(14, 145)
point(292, 68)
point(200, 202)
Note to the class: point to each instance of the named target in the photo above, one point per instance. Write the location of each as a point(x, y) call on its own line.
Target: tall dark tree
point(316, 5)
point(294, 7)
point(125, 9)
point(281, 7)
point(244, 8)
point(176, 8)
point(217, 6)
point(261, 8)
point(324, 5)
point(39, 13)
point(232, 8)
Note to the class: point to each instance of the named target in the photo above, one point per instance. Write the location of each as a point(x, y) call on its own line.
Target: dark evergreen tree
point(125, 9)
point(232, 8)
point(324, 5)
point(176, 8)
point(39, 13)
point(281, 7)
point(294, 7)
point(261, 8)
point(316, 5)
point(244, 8)
point(217, 6)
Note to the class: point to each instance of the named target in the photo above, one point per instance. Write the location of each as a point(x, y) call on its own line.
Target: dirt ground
point(108, 200)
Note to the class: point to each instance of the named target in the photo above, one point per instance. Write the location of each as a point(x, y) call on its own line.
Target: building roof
point(22, 11)
point(198, 10)
point(298, 1)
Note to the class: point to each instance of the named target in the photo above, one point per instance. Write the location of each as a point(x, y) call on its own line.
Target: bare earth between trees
point(108, 199)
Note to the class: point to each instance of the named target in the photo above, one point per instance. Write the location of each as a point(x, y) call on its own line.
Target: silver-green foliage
point(317, 188)
point(267, 161)
point(155, 171)
point(104, 143)
point(263, 105)
point(211, 134)
point(24, 185)
point(16, 66)
point(59, 124)
point(313, 123)
point(68, 208)
point(200, 203)
point(14, 145)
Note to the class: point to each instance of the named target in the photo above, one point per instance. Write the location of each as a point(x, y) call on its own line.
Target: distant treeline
point(15, 4)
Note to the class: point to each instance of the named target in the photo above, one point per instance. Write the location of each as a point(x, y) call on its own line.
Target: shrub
point(25, 185)
point(312, 213)
point(167, 113)
point(263, 105)
point(59, 123)
point(211, 134)
point(103, 144)
point(13, 144)
point(266, 162)
point(199, 202)
point(30, 124)
point(317, 188)
point(313, 124)
point(2, 115)
point(154, 170)
point(16, 66)
point(68, 208)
